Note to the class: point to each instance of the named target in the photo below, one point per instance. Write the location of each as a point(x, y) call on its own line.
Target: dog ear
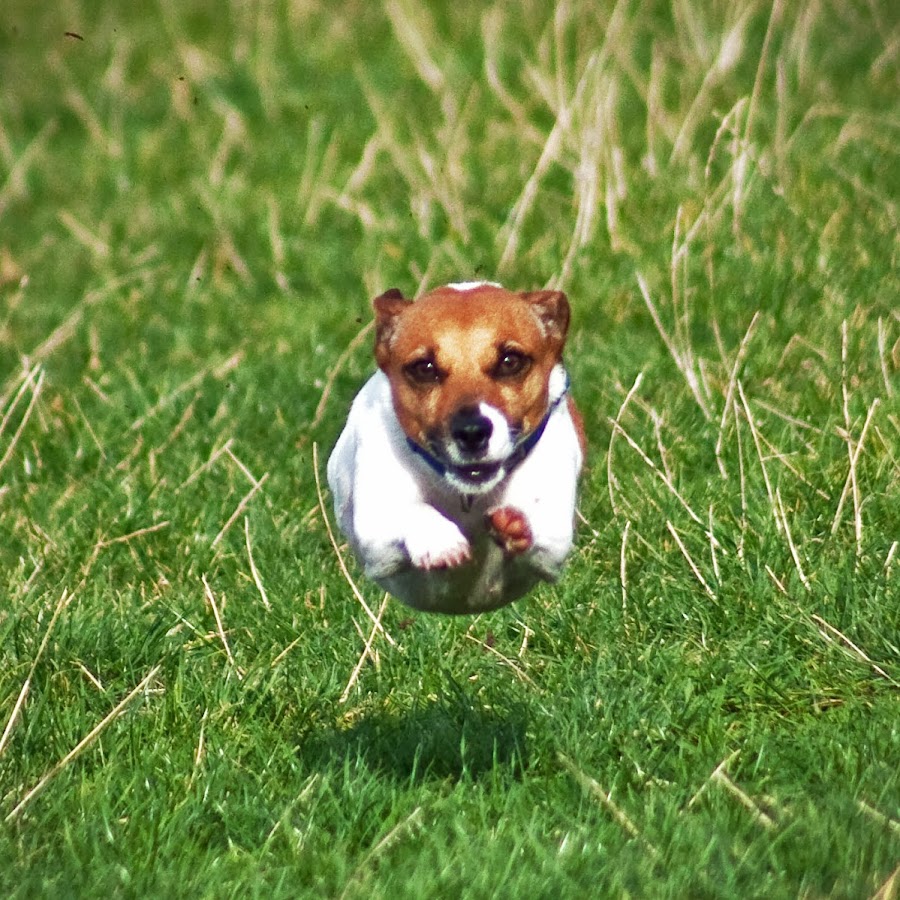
point(387, 296)
point(552, 308)
point(388, 307)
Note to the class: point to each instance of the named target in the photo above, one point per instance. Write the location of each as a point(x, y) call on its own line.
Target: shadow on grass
point(442, 738)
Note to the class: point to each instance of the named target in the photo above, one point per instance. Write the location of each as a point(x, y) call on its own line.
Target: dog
point(455, 477)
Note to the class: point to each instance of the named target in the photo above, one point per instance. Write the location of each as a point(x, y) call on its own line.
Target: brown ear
point(552, 308)
point(388, 306)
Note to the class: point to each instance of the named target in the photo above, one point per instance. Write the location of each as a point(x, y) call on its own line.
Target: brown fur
point(510, 530)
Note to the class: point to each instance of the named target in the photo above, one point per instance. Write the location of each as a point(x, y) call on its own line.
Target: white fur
point(422, 538)
point(500, 444)
point(558, 383)
point(472, 285)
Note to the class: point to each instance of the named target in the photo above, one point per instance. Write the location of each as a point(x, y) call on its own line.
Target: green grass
point(196, 204)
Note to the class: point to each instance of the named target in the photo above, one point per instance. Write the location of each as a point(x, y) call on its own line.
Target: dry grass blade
point(15, 185)
point(520, 673)
point(683, 360)
point(92, 242)
point(589, 174)
point(516, 220)
point(623, 569)
point(728, 56)
point(760, 455)
point(774, 18)
point(82, 745)
point(411, 35)
point(882, 358)
point(712, 546)
point(253, 570)
point(656, 470)
point(857, 651)
point(35, 393)
point(62, 603)
point(339, 364)
point(367, 652)
point(721, 767)
point(211, 597)
point(851, 484)
point(123, 539)
point(729, 392)
point(879, 817)
point(24, 380)
point(611, 480)
point(218, 371)
point(413, 820)
point(790, 541)
point(553, 149)
point(776, 580)
point(244, 468)
point(745, 800)
point(889, 559)
point(213, 459)
point(593, 789)
point(890, 890)
point(684, 552)
point(492, 25)
point(742, 479)
point(240, 508)
point(720, 776)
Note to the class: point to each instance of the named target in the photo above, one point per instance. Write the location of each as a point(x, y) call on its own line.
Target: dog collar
point(520, 452)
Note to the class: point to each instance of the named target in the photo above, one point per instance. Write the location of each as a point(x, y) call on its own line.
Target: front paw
point(439, 544)
point(510, 530)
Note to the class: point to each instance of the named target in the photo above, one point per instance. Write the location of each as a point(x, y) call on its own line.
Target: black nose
point(471, 430)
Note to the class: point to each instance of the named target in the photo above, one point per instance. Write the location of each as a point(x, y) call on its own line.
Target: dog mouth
point(475, 450)
point(476, 474)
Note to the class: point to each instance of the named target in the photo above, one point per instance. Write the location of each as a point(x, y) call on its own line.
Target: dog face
point(470, 372)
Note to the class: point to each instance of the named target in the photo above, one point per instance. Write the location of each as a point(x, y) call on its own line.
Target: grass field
point(197, 202)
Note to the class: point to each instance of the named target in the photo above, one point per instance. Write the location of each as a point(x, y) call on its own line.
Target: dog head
point(474, 370)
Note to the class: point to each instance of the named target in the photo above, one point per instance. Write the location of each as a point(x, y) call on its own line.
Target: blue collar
point(521, 451)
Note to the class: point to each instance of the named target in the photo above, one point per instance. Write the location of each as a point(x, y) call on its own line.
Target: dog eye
point(423, 371)
point(510, 363)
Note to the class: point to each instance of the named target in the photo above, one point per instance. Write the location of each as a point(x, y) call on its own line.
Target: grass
point(196, 206)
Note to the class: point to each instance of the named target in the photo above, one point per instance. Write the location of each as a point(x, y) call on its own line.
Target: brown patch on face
point(455, 349)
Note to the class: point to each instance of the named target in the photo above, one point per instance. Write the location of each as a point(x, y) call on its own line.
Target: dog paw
point(440, 545)
point(510, 529)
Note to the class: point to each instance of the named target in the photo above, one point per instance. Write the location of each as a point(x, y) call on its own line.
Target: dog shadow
point(444, 738)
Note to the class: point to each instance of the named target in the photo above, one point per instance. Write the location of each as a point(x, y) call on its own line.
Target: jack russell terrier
point(455, 476)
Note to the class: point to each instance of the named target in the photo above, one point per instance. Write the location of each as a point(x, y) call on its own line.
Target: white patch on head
point(500, 447)
point(501, 443)
point(472, 285)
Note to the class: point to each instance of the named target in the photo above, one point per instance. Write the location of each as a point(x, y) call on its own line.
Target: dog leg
point(434, 542)
point(509, 528)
